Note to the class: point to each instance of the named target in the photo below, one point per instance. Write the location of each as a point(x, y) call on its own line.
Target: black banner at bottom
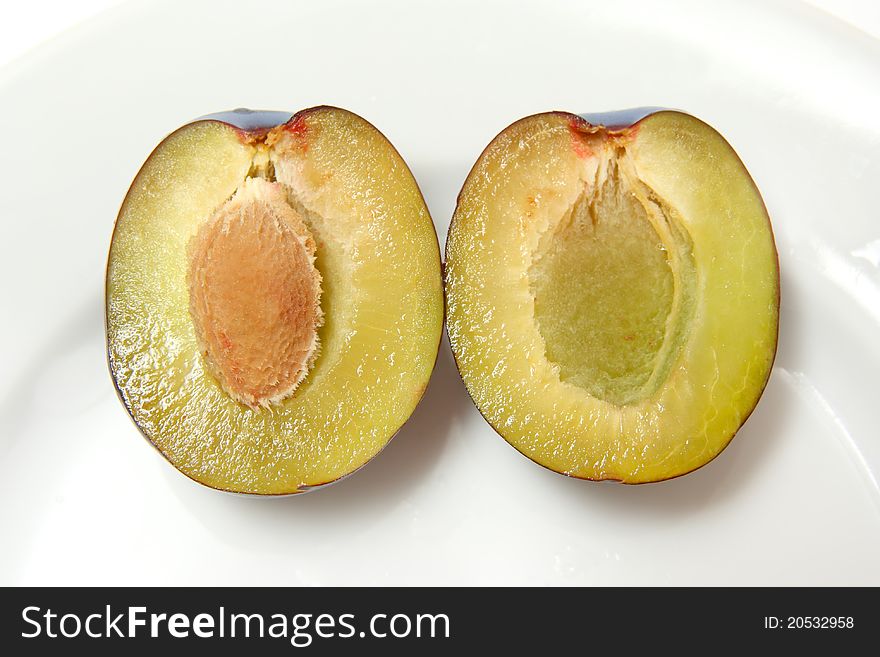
point(432, 621)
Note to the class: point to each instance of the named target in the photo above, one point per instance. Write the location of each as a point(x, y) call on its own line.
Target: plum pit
point(255, 294)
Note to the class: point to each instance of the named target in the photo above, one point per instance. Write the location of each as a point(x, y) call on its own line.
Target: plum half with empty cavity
point(274, 298)
point(612, 290)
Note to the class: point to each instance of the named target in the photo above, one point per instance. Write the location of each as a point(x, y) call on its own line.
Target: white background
point(793, 500)
point(27, 24)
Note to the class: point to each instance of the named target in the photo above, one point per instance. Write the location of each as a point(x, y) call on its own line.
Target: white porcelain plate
point(793, 500)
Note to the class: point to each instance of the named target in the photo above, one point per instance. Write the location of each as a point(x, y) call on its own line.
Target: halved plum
point(274, 298)
point(612, 292)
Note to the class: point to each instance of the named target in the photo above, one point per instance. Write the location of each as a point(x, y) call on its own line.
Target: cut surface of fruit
point(274, 299)
point(612, 294)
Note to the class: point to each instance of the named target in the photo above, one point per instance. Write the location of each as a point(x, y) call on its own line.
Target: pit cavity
point(255, 292)
point(613, 283)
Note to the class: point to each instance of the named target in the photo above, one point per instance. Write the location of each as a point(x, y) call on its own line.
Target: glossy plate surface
point(793, 500)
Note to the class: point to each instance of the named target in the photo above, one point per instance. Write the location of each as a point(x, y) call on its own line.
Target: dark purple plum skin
point(620, 119)
point(249, 120)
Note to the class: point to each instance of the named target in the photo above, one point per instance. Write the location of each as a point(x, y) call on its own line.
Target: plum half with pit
point(274, 298)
